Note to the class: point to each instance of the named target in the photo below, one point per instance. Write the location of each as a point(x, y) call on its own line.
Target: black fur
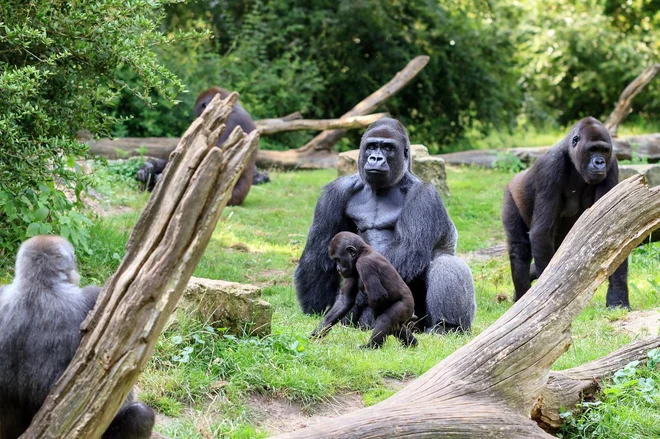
point(542, 203)
point(388, 296)
point(401, 218)
point(40, 316)
point(149, 173)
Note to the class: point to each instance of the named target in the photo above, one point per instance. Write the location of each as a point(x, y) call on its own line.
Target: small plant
point(508, 162)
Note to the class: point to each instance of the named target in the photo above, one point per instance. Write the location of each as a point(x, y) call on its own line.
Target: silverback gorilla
point(40, 316)
point(388, 296)
point(403, 219)
point(542, 203)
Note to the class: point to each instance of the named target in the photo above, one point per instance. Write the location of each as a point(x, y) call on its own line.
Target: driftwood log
point(488, 388)
point(623, 106)
point(566, 388)
point(161, 254)
point(162, 147)
point(318, 153)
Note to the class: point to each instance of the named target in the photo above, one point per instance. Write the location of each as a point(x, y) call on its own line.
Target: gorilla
point(150, 172)
point(403, 219)
point(388, 296)
point(541, 204)
point(40, 316)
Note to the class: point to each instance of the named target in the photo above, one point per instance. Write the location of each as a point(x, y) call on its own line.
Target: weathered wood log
point(488, 387)
point(566, 388)
point(622, 108)
point(327, 139)
point(318, 153)
point(162, 252)
point(272, 126)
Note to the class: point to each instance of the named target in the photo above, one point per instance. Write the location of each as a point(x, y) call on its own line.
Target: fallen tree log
point(566, 388)
point(163, 250)
point(318, 151)
point(488, 388)
point(272, 126)
point(623, 106)
point(162, 147)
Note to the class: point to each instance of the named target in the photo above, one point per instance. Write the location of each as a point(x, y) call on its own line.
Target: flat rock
point(428, 168)
point(237, 307)
point(650, 172)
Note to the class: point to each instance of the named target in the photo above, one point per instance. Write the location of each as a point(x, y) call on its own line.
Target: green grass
point(201, 380)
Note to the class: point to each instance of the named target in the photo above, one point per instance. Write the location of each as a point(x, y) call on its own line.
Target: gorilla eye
point(576, 139)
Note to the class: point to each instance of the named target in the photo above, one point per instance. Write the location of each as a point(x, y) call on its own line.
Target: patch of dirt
point(643, 323)
point(282, 416)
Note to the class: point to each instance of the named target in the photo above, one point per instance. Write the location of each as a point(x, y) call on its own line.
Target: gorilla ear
point(351, 250)
point(575, 140)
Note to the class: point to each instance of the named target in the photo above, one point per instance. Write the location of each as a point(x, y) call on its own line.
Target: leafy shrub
point(58, 64)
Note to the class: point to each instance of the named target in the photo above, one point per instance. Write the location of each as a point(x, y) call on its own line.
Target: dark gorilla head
point(205, 98)
point(590, 148)
point(344, 250)
point(384, 153)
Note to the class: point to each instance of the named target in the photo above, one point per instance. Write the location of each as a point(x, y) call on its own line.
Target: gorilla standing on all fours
point(400, 217)
point(542, 203)
point(150, 172)
point(40, 317)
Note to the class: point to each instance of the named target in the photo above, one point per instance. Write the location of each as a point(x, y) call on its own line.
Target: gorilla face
point(591, 150)
point(384, 153)
point(343, 251)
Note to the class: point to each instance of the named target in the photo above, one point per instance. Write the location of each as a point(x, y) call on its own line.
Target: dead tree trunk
point(272, 126)
point(566, 388)
point(318, 152)
point(622, 108)
point(489, 387)
point(161, 254)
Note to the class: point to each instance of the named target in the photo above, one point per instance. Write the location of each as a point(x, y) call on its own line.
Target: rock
point(651, 172)
point(430, 169)
point(347, 162)
point(231, 305)
point(646, 146)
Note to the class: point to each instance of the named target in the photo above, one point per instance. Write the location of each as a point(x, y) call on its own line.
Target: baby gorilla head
point(344, 250)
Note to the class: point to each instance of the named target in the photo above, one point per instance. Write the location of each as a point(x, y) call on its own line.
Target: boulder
point(428, 168)
point(651, 172)
point(237, 307)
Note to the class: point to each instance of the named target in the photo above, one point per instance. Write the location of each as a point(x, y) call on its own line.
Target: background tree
point(58, 73)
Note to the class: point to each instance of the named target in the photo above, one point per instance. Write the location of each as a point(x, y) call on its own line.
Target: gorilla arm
point(316, 279)
point(423, 226)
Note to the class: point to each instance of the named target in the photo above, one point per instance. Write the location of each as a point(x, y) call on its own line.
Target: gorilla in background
point(150, 172)
point(40, 316)
point(403, 219)
point(542, 203)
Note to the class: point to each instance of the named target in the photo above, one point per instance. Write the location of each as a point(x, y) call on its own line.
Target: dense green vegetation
point(206, 381)
point(58, 64)
point(495, 65)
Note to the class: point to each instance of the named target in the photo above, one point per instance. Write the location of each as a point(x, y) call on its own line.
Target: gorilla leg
point(450, 299)
point(518, 246)
point(405, 336)
point(388, 323)
point(134, 420)
point(617, 290)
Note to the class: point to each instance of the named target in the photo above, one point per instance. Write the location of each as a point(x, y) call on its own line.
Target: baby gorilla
point(40, 317)
point(387, 294)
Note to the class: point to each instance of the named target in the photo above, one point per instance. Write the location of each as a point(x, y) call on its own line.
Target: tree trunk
point(163, 250)
point(489, 387)
point(272, 126)
point(622, 108)
point(566, 388)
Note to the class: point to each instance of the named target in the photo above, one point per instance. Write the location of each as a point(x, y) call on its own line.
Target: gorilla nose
point(599, 162)
point(376, 158)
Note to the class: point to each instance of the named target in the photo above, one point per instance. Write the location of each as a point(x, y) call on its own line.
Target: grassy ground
point(202, 381)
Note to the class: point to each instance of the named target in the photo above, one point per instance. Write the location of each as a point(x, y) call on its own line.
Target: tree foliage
point(58, 64)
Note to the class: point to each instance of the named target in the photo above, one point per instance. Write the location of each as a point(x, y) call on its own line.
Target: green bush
point(58, 74)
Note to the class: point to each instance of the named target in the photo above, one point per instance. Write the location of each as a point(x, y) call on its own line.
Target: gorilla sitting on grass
point(400, 217)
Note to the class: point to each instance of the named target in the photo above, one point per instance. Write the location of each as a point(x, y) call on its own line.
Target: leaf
point(33, 230)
